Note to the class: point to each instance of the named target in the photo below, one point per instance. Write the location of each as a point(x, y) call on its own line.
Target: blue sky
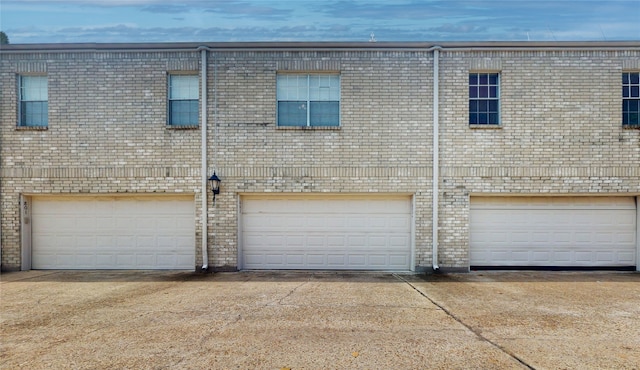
point(49, 21)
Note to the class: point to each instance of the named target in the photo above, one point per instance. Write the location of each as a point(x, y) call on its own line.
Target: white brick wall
point(561, 133)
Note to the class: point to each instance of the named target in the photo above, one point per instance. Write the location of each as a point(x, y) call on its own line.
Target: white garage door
point(553, 231)
point(112, 232)
point(326, 232)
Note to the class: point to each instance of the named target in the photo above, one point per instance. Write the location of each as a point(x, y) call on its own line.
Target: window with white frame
point(308, 100)
point(484, 98)
point(183, 100)
point(34, 101)
point(631, 99)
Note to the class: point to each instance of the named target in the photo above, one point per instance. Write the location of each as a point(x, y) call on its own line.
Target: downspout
point(436, 157)
point(203, 171)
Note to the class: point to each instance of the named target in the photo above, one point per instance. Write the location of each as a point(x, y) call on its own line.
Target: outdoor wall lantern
point(215, 185)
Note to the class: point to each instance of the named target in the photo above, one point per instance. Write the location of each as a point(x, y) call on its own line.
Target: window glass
point(473, 92)
point(324, 113)
point(34, 104)
point(292, 113)
point(484, 98)
point(184, 87)
point(631, 99)
point(183, 100)
point(308, 99)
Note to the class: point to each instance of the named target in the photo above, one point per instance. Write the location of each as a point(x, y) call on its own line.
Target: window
point(484, 99)
point(34, 101)
point(183, 100)
point(631, 99)
point(308, 100)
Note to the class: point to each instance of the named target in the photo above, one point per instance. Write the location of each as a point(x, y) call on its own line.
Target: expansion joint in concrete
point(469, 327)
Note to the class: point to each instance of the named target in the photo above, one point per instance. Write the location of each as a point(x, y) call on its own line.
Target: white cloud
point(306, 20)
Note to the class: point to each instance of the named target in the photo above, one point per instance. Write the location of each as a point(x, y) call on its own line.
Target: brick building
point(327, 154)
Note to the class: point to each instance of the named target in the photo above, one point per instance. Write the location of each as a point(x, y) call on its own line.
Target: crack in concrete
point(469, 327)
point(291, 292)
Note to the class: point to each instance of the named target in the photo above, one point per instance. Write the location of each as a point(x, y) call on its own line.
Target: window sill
point(310, 128)
point(32, 128)
point(182, 127)
point(485, 126)
point(631, 127)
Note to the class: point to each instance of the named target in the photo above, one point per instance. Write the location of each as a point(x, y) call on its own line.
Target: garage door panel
point(270, 240)
point(625, 237)
point(328, 232)
point(85, 240)
point(497, 237)
point(626, 258)
point(274, 259)
point(540, 256)
point(55, 224)
point(479, 256)
point(399, 223)
point(146, 242)
point(377, 242)
point(399, 260)
point(161, 242)
point(126, 224)
point(561, 238)
point(357, 261)
point(378, 260)
point(357, 222)
point(380, 222)
point(315, 241)
point(577, 231)
point(282, 222)
point(145, 224)
point(104, 241)
point(398, 242)
point(605, 257)
point(502, 256)
point(125, 242)
point(166, 262)
point(357, 241)
point(603, 237)
point(253, 238)
point(583, 237)
point(540, 237)
point(125, 261)
point(144, 260)
point(253, 259)
point(315, 222)
point(294, 241)
point(105, 223)
point(106, 232)
point(336, 260)
point(316, 260)
point(564, 258)
point(294, 259)
point(85, 223)
point(105, 260)
point(336, 222)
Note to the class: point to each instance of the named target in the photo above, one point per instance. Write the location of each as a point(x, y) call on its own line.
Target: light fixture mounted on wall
point(215, 185)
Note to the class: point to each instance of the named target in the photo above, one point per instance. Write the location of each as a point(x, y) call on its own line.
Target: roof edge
point(225, 46)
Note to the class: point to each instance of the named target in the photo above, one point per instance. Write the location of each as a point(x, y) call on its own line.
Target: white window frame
point(39, 96)
point(478, 98)
point(192, 95)
point(630, 93)
point(330, 93)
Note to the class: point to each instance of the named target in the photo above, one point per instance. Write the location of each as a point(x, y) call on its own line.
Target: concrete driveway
point(323, 320)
